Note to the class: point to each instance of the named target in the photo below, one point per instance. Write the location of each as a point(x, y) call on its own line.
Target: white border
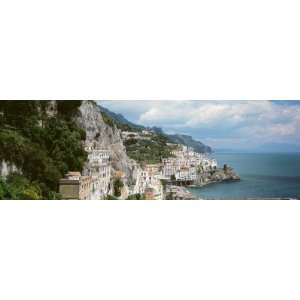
point(163, 49)
point(149, 250)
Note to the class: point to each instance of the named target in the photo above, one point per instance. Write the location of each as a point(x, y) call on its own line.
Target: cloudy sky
point(220, 124)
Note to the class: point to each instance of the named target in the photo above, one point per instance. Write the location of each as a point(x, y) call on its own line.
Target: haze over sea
point(263, 176)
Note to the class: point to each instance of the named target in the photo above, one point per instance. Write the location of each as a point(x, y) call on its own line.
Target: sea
point(263, 176)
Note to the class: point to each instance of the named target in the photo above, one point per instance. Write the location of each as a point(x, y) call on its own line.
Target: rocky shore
point(225, 174)
point(218, 175)
point(175, 192)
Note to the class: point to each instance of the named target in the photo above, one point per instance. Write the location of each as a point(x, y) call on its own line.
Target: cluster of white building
point(95, 182)
point(99, 168)
point(148, 182)
point(186, 164)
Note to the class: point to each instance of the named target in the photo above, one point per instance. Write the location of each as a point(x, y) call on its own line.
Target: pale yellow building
point(75, 187)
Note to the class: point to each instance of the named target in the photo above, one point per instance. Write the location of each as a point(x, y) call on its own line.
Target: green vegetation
point(115, 123)
point(148, 151)
point(110, 197)
point(68, 109)
point(43, 148)
point(118, 184)
point(18, 187)
point(141, 150)
point(136, 197)
point(200, 169)
point(119, 120)
point(190, 142)
point(173, 178)
point(108, 120)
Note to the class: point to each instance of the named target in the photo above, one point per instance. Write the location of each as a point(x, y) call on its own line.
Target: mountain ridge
point(178, 138)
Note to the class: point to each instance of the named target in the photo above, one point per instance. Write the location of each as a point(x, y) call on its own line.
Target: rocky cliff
point(218, 175)
point(90, 119)
point(172, 138)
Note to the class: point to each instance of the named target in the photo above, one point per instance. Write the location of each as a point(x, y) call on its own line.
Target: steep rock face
point(106, 137)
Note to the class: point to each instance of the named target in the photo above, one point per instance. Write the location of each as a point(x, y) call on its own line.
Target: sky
point(219, 124)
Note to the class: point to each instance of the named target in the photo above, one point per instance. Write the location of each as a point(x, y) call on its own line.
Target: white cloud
point(247, 121)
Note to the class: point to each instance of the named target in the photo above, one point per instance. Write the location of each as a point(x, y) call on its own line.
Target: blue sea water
point(263, 176)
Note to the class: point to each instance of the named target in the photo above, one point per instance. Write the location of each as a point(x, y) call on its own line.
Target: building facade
point(75, 187)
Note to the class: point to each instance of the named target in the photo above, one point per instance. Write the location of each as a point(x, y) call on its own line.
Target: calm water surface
point(262, 176)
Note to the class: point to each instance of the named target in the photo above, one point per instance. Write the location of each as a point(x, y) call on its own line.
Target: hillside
point(122, 123)
point(189, 141)
point(148, 151)
point(142, 150)
point(104, 134)
point(39, 143)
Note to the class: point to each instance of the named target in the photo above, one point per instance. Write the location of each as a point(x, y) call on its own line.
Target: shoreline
point(181, 192)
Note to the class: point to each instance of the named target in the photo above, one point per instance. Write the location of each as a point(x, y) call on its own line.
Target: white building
point(186, 163)
point(99, 168)
point(129, 134)
point(148, 178)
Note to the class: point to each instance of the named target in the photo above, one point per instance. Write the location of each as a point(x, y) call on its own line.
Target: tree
point(42, 153)
point(20, 113)
point(19, 187)
point(137, 196)
point(5, 193)
point(118, 184)
point(68, 108)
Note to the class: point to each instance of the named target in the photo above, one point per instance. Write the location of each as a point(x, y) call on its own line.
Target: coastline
point(271, 177)
point(226, 174)
point(179, 193)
